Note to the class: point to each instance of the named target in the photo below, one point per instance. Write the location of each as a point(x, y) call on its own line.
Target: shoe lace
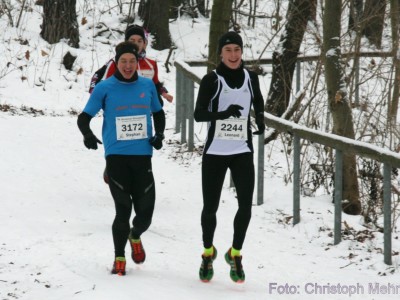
point(120, 266)
point(238, 265)
point(137, 247)
point(206, 264)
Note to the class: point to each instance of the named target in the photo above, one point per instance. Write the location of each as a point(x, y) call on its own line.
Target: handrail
point(301, 58)
point(335, 141)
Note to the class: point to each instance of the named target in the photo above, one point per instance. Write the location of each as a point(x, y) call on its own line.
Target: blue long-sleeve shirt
point(127, 108)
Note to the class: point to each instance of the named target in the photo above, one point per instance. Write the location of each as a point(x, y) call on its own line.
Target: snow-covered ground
point(56, 216)
point(56, 212)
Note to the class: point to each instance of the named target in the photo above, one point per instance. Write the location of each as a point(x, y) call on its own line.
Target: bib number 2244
point(231, 129)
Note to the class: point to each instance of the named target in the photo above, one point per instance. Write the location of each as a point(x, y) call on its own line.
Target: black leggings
point(131, 183)
point(214, 169)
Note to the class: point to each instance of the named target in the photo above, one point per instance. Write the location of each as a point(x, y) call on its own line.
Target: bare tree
point(156, 21)
point(201, 6)
point(356, 8)
point(394, 104)
point(373, 21)
point(284, 58)
point(59, 22)
point(180, 7)
point(338, 101)
point(174, 8)
point(220, 16)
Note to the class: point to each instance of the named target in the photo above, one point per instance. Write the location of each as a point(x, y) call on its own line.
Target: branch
point(250, 15)
point(167, 63)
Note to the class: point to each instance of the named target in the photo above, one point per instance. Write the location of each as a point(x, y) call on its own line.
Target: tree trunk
point(338, 102)
point(142, 9)
point(355, 15)
point(59, 22)
point(284, 59)
point(156, 21)
point(219, 24)
point(394, 16)
point(373, 21)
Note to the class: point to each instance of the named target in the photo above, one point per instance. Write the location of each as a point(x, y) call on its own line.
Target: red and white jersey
point(146, 68)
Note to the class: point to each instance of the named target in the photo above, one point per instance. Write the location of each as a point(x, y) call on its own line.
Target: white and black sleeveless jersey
point(221, 139)
point(218, 90)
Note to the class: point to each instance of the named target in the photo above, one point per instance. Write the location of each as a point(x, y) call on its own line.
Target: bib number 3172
point(131, 128)
point(231, 129)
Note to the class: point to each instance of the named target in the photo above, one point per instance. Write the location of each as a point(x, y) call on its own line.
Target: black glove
point(91, 141)
point(232, 111)
point(260, 124)
point(156, 140)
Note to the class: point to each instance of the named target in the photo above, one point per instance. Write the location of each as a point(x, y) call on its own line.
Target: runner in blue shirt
point(129, 104)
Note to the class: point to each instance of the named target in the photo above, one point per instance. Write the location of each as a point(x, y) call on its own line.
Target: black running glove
point(232, 111)
point(91, 141)
point(260, 124)
point(156, 140)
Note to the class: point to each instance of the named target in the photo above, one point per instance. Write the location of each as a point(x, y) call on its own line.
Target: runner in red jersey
point(146, 67)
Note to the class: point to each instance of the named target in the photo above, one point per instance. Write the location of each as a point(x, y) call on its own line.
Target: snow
point(56, 212)
point(331, 52)
point(56, 239)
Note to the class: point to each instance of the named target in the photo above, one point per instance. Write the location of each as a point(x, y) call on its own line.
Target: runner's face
point(138, 41)
point(231, 55)
point(127, 65)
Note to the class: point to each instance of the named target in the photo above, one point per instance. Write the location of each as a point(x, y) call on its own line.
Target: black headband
point(126, 47)
point(230, 37)
point(134, 30)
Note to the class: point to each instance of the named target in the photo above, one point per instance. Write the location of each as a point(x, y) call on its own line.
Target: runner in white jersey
point(224, 101)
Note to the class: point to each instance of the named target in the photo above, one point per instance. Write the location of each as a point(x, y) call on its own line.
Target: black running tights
point(131, 184)
point(214, 169)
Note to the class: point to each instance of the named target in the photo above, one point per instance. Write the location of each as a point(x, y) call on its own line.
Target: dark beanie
point(230, 37)
point(134, 30)
point(125, 47)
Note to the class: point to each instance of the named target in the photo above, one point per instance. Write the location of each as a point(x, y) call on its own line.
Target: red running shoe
point(138, 253)
point(119, 266)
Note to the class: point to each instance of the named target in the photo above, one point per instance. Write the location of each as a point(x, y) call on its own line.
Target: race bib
point(131, 127)
point(231, 129)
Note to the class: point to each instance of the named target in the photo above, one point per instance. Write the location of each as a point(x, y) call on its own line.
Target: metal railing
point(185, 80)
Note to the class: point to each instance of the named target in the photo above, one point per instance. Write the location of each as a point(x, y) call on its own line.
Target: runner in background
point(146, 67)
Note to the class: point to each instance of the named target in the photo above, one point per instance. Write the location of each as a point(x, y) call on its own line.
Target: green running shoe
point(236, 273)
point(206, 271)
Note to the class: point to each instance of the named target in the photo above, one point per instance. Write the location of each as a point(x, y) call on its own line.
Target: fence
point(185, 79)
